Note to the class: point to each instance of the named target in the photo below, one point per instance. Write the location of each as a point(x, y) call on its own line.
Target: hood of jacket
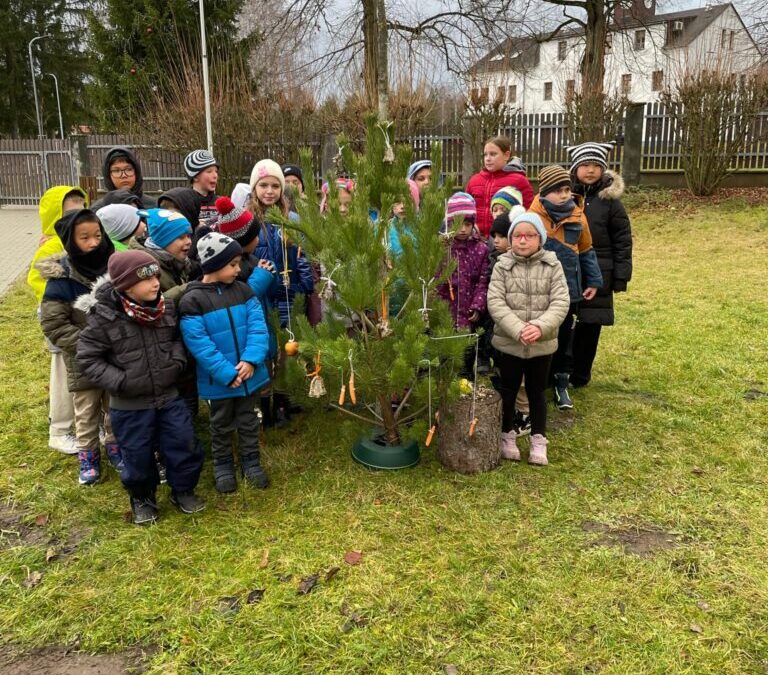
point(51, 206)
point(187, 201)
point(119, 197)
point(130, 157)
point(99, 291)
point(514, 165)
point(610, 186)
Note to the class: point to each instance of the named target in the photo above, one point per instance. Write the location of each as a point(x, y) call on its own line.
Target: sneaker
point(114, 456)
point(90, 466)
point(66, 444)
point(144, 511)
point(187, 502)
point(509, 449)
point(522, 424)
point(538, 453)
point(562, 398)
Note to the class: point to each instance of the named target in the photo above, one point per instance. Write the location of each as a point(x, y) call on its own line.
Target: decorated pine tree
point(380, 351)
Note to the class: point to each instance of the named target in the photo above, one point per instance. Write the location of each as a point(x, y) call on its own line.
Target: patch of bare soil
point(18, 528)
point(643, 542)
point(61, 661)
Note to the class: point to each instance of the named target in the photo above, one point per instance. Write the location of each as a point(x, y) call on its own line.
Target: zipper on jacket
point(528, 299)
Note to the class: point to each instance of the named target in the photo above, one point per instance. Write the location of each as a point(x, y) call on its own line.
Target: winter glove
point(619, 285)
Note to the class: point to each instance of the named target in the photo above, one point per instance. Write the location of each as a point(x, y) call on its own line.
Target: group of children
point(148, 307)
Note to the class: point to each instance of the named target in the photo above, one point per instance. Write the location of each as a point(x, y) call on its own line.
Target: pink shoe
point(509, 449)
point(538, 453)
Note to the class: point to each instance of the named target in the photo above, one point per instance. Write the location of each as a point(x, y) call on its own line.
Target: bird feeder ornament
point(291, 347)
point(316, 384)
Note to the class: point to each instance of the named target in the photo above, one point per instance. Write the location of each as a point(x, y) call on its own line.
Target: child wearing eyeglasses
point(528, 300)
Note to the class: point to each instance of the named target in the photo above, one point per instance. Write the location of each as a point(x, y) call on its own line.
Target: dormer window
point(562, 50)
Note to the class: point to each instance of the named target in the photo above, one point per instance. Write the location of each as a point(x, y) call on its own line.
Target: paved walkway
point(19, 234)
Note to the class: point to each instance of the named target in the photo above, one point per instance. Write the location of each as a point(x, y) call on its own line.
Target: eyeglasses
point(128, 171)
point(525, 236)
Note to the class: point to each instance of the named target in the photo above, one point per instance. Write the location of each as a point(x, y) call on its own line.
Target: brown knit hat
point(128, 268)
point(552, 178)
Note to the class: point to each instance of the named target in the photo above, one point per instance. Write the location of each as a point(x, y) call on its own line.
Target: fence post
point(78, 147)
point(328, 151)
point(633, 143)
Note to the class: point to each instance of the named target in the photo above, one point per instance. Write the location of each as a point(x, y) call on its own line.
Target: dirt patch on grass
point(61, 661)
point(643, 542)
point(18, 528)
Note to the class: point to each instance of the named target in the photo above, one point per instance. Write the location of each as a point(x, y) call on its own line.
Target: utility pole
point(34, 84)
point(206, 87)
point(58, 105)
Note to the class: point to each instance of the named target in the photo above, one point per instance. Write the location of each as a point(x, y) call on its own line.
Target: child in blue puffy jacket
point(225, 330)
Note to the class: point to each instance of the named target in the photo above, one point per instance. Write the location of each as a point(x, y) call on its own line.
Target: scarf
point(143, 314)
point(558, 212)
point(90, 265)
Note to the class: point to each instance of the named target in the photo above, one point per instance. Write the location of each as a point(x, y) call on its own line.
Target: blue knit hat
point(531, 219)
point(417, 166)
point(165, 226)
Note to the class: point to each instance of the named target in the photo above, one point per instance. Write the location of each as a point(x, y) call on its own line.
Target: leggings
point(536, 371)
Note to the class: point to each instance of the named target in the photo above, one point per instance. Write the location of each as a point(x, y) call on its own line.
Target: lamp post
point(58, 105)
point(206, 89)
point(34, 84)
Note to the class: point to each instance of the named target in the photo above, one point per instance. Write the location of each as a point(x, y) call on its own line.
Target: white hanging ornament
point(317, 387)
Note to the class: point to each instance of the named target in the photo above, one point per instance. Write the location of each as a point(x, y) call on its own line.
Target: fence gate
point(28, 167)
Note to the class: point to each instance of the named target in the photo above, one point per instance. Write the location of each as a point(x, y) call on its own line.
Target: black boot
point(144, 509)
point(252, 471)
point(224, 474)
point(280, 410)
point(562, 398)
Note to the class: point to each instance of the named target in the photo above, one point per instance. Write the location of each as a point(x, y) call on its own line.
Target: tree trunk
point(593, 63)
point(371, 53)
point(391, 434)
point(382, 83)
point(467, 454)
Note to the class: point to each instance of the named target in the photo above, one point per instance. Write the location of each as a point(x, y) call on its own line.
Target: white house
point(646, 51)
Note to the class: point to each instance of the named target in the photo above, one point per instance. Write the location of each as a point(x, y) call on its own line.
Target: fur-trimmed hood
point(86, 302)
point(54, 266)
point(611, 186)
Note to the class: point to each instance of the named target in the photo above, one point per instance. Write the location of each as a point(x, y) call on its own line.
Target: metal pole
point(206, 89)
point(58, 105)
point(34, 84)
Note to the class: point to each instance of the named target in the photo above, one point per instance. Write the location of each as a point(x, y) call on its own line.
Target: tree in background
point(61, 54)
point(139, 44)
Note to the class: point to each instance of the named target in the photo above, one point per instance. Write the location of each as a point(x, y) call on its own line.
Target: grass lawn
point(642, 548)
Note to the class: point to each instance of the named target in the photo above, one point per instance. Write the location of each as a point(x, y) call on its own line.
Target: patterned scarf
point(143, 314)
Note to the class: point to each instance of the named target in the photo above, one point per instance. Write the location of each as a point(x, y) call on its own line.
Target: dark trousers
point(536, 370)
point(562, 360)
point(234, 414)
point(169, 429)
point(586, 337)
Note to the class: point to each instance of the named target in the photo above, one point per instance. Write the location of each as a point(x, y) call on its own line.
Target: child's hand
point(236, 382)
point(244, 370)
point(530, 334)
point(266, 265)
point(589, 293)
point(473, 318)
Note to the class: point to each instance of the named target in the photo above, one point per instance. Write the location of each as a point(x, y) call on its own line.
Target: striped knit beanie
point(589, 153)
point(235, 222)
point(198, 160)
point(216, 250)
point(552, 178)
point(417, 166)
point(507, 197)
point(462, 205)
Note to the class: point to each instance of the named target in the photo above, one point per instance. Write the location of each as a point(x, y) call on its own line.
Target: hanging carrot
point(472, 426)
point(430, 435)
point(352, 394)
point(450, 291)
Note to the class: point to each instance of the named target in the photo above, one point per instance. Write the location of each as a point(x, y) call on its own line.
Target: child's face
point(589, 173)
point(560, 196)
point(345, 199)
point(206, 180)
point(87, 236)
point(525, 240)
point(500, 242)
point(268, 191)
point(295, 183)
point(179, 247)
point(423, 178)
point(494, 159)
point(498, 209)
point(145, 291)
point(141, 230)
point(72, 202)
point(123, 174)
point(227, 274)
point(465, 229)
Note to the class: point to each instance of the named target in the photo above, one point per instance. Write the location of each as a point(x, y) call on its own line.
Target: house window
point(608, 41)
point(723, 38)
point(657, 80)
point(639, 40)
point(512, 93)
point(570, 89)
point(731, 39)
point(547, 91)
point(500, 91)
point(562, 50)
point(626, 84)
point(484, 95)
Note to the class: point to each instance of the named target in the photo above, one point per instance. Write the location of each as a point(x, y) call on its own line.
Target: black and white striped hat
point(595, 153)
point(197, 160)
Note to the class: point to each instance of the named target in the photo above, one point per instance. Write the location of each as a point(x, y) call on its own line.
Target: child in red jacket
point(500, 170)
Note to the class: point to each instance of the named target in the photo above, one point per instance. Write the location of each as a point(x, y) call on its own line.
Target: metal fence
point(29, 166)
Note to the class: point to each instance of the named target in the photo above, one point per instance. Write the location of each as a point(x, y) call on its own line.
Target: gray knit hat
point(216, 250)
point(198, 160)
point(119, 220)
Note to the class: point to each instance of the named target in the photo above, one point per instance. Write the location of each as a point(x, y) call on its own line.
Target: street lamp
point(34, 84)
point(58, 105)
point(206, 89)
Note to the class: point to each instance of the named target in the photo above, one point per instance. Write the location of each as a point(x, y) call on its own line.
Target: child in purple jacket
point(467, 286)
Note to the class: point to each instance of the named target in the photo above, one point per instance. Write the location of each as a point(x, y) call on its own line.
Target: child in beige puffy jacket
point(528, 300)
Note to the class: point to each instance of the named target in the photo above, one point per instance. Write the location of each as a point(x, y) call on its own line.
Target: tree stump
point(459, 451)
